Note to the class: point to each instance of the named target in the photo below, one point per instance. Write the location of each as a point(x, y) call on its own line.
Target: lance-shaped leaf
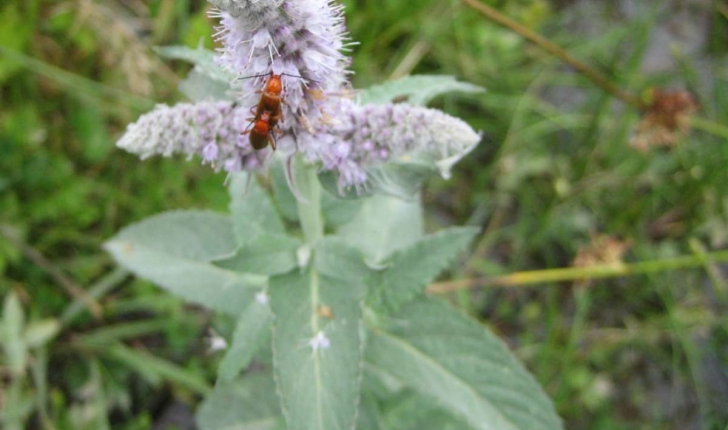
point(383, 225)
point(13, 344)
point(369, 416)
point(317, 344)
point(40, 332)
point(454, 360)
point(416, 90)
point(266, 255)
point(334, 257)
point(252, 210)
point(401, 409)
point(247, 404)
point(174, 249)
point(410, 411)
point(412, 269)
point(251, 332)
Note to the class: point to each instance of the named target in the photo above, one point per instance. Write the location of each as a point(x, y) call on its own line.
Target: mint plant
point(325, 269)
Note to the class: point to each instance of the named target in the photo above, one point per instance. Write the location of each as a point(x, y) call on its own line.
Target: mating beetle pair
point(267, 114)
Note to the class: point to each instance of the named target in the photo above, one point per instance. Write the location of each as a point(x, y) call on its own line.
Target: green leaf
point(174, 249)
point(192, 234)
point(13, 342)
point(383, 225)
point(338, 260)
point(415, 90)
point(198, 86)
point(336, 210)
point(266, 255)
point(38, 333)
point(113, 333)
point(202, 58)
point(251, 332)
point(448, 357)
point(17, 405)
point(401, 177)
point(247, 404)
point(410, 411)
point(369, 417)
point(403, 410)
point(252, 210)
point(412, 269)
point(318, 383)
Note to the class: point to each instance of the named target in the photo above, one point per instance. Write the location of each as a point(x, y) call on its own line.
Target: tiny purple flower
point(261, 297)
point(320, 341)
point(209, 152)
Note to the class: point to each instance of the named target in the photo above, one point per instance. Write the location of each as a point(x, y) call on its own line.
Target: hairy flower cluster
point(302, 40)
point(372, 134)
point(208, 129)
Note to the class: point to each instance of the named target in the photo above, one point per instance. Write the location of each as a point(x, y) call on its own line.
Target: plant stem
point(309, 211)
point(592, 74)
point(520, 279)
point(709, 126)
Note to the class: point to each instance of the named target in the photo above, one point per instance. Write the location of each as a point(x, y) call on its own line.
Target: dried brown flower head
point(602, 250)
point(665, 122)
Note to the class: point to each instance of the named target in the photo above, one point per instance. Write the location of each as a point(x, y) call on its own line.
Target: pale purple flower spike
point(372, 134)
point(208, 129)
point(303, 41)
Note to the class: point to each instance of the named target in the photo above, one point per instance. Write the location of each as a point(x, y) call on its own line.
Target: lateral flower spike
point(372, 134)
point(208, 129)
point(320, 341)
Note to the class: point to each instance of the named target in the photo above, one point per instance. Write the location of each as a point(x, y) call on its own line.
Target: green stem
point(309, 211)
point(709, 126)
point(580, 273)
point(592, 74)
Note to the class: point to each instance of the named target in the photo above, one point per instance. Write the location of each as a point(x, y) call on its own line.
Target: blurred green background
point(554, 172)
